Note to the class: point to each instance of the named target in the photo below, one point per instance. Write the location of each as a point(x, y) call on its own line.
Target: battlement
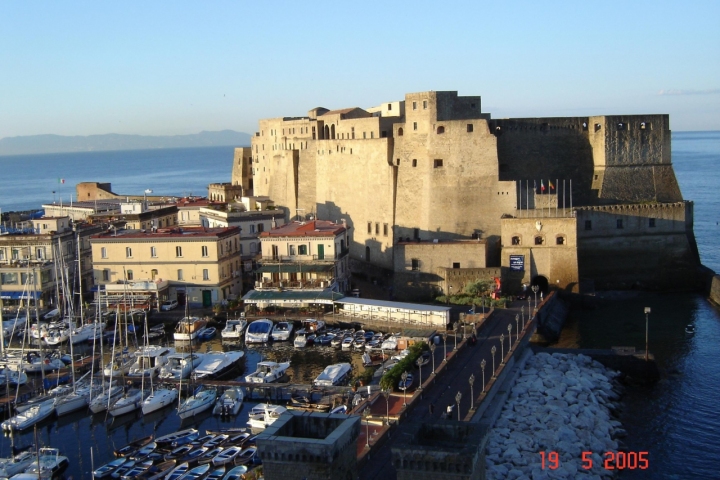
point(636, 207)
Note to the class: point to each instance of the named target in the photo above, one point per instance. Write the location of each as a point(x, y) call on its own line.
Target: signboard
point(517, 263)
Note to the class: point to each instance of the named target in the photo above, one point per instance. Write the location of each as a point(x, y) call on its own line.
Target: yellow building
point(201, 264)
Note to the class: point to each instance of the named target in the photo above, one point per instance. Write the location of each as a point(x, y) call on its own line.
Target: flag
point(61, 180)
point(552, 187)
point(542, 186)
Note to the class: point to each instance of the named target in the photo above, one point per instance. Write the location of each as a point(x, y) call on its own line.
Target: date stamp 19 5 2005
point(611, 460)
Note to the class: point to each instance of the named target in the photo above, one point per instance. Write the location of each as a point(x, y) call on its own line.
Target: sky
point(171, 68)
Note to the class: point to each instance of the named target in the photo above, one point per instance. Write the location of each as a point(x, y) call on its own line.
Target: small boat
point(16, 464)
point(216, 474)
point(264, 414)
point(176, 439)
point(301, 339)
point(341, 410)
point(188, 328)
point(246, 456)
point(402, 354)
point(178, 471)
point(268, 372)
point(281, 331)
point(325, 340)
point(690, 329)
point(217, 364)
point(48, 464)
point(179, 452)
point(234, 328)
point(198, 442)
point(227, 456)
point(300, 402)
point(216, 441)
point(208, 456)
point(313, 326)
point(158, 399)
point(390, 343)
point(196, 473)
point(333, 375)
point(133, 446)
point(259, 331)
point(207, 333)
point(199, 402)
point(336, 342)
point(229, 402)
point(366, 359)
point(407, 383)
point(239, 439)
point(144, 452)
point(192, 457)
point(137, 470)
point(31, 416)
point(347, 343)
point(236, 473)
point(160, 471)
point(106, 470)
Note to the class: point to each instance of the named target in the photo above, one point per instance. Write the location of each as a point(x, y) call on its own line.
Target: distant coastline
point(50, 144)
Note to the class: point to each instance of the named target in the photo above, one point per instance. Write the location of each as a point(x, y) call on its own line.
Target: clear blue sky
point(165, 68)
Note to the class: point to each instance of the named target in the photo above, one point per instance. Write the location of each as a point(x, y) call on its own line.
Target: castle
point(437, 193)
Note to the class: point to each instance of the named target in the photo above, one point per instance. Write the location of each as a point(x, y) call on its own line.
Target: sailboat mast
point(79, 258)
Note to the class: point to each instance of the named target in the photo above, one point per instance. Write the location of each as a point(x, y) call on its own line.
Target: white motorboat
point(301, 339)
point(16, 464)
point(32, 362)
point(390, 343)
point(234, 328)
point(333, 375)
point(313, 326)
point(132, 400)
point(281, 331)
point(217, 364)
point(259, 331)
point(30, 416)
point(158, 399)
point(180, 365)
point(268, 372)
point(149, 360)
point(229, 402)
point(198, 403)
point(188, 328)
point(347, 343)
point(339, 410)
point(264, 414)
point(49, 464)
point(109, 396)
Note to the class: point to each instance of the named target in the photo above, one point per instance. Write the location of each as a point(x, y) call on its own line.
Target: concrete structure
point(434, 167)
point(448, 449)
point(397, 314)
point(224, 192)
point(189, 209)
point(201, 264)
point(305, 255)
point(310, 446)
point(83, 211)
point(242, 170)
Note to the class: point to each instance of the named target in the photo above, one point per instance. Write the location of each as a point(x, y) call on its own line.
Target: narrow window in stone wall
point(400, 132)
point(106, 275)
point(560, 240)
point(456, 264)
point(103, 252)
point(516, 240)
point(178, 251)
point(651, 223)
point(414, 105)
point(437, 163)
point(377, 229)
point(129, 275)
point(588, 224)
point(619, 223)
point(414, 125)
point(364, 134)
point(352, 132)
point(206, 274)
point(385, 229)
point(128, 252)
point(539, 240)
point(415, 264)
point(424, 104)
point(153, 252)
point(440, 130)
point(204, 250)
point(469, 127)
point(369, 227)
point(180, 274)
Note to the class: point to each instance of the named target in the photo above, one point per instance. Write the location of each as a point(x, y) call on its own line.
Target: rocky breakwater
point(560, 403)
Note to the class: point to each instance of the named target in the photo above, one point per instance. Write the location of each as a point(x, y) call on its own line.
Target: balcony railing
point(295, 284)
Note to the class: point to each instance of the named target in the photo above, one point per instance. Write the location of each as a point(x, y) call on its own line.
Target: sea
point(676, 420)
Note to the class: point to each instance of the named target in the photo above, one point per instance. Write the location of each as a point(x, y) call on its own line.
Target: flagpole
point(564, 212)
point(571, 196)
point(527, 197)
point(557, 180)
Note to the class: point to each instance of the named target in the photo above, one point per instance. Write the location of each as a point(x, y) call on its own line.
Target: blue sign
point(517, 263)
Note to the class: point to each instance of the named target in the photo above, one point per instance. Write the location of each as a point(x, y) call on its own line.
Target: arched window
point(516, 240)
point(440, 130)
point(327, 132)
point(400, 132)
point(560, 240)
point(539, 240)
point(332, 132)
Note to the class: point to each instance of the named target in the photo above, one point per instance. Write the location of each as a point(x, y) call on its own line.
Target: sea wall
point(561, 403)
point(715, 290)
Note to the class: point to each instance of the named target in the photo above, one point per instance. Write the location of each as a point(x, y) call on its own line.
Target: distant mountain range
point(38, 144)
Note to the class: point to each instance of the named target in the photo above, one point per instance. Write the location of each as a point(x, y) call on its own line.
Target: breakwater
point(560, 403)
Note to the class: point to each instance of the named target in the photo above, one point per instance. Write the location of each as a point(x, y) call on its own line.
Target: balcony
point(314, 284)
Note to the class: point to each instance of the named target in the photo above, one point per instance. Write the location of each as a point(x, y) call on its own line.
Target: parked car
point(168, 305)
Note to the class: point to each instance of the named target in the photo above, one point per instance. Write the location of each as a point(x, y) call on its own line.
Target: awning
point(291, 297)
point(294, 268)
point(19, 295)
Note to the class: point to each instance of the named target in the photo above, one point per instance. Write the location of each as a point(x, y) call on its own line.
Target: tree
point(478, 288)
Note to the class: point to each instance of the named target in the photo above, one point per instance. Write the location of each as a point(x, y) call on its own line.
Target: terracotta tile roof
point(315, 228)
point(341, 111)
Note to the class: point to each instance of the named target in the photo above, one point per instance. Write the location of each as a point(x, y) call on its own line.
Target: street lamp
point(471, 381)
point(535, 289)
point(432, 354)
point(458, 397)
point(386, 394)
point(522, 315)
point(366, 414)
point(455, 329)
point(647, 313)
point(445, 346)
point(145, 194)
point(517, 328)
point(493, 350)
point(419, 364)
point(510, 337)
point(502, 348)
point(529, 310)
point(404, 380)
point(482, 366)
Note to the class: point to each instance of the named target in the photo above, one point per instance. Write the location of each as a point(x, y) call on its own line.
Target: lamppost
point(455, 329)
point(445, 346)
point(404, 380)
point(510, 337)
point(522, 315)
point(463, 330)
point(517, 328)
point(471, 381)
point(458, 397)
point(386, 394)
point(493, 350)
point(419, 364)
point(535, 289)
point(432, 354)
point(366, 414)
point(502, 348)
point(145, 194)
point(647, 313)
point(529, 309)
point(482, 366)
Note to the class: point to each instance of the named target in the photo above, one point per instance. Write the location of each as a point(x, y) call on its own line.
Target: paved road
point(452, 380)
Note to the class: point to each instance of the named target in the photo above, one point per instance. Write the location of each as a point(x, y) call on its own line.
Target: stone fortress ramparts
point(435, 168)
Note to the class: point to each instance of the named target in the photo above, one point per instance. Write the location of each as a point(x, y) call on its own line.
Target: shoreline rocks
point(560, 403)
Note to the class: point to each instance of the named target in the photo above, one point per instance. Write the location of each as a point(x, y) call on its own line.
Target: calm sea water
point(28, 181)
point(677, 420)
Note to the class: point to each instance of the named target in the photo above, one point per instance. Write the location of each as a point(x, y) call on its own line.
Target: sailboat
point(158, 398)
point(203, 399)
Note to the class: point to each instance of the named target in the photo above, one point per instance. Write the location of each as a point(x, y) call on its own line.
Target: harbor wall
point(715, 290)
